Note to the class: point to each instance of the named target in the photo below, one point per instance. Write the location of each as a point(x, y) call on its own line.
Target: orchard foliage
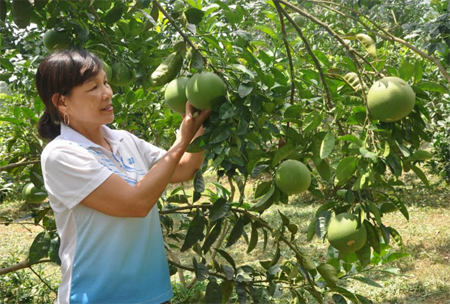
point(295, 90)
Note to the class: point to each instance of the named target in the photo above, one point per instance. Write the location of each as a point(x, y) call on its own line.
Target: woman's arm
point(116, 197)
point(189, 164)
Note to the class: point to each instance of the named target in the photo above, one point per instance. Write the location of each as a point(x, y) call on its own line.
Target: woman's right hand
point(192, 122)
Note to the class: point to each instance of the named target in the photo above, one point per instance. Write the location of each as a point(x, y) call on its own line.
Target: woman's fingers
point(190, 110)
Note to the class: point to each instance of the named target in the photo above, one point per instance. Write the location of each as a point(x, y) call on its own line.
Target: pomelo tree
point(295, 90)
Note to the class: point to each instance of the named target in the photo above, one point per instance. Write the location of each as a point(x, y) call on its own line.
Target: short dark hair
point(58, 74)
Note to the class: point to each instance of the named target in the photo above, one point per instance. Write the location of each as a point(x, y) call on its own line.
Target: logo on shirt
point(131, 161)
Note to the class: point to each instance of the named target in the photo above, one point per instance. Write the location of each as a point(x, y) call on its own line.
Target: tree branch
point(311, 53)
point(288, 49)
point(19, 164)
point(388, 36)
point(21, 265)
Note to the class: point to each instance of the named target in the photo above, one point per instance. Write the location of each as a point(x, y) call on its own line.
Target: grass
point(424, 279)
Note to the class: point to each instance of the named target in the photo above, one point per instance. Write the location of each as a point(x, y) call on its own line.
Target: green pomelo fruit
point(178, 5)
point(54, 40)
point(31, 194)
point(292, 177)
point(175, 94)
point(344, 234)
point(122, 75)
point(107, 70)
point(204, 89)
point(298, 19)
point(390, 99)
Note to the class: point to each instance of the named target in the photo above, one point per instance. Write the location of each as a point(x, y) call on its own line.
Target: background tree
point(297, 76)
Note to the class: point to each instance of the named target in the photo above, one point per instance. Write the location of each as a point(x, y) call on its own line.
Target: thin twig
point(43, 281)
point(102, 29)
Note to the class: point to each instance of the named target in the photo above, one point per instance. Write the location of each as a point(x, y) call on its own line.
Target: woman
point(103, 185)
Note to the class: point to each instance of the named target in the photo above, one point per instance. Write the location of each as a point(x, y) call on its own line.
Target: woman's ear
point(58, 101)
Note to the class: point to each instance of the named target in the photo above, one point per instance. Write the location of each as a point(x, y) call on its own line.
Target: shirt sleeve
point(71, 173)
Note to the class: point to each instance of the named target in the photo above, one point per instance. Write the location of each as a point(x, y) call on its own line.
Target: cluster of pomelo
point(203, 90)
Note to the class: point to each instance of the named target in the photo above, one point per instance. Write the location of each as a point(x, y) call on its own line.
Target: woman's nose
point(107, 93)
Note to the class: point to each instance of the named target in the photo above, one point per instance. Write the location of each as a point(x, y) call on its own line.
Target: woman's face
point(89, 105)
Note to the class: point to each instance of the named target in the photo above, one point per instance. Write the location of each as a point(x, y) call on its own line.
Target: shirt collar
point(114, 138)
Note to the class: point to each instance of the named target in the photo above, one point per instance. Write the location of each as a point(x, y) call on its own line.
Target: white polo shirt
point(104, 259)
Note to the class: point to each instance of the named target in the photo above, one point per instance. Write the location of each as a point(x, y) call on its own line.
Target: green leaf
point(376, 212)
point(367, 154)
point(265, 29)
point(227, 110)
point(327, 145)
point(421, 175)
point(227, 257)
point(329, 273)
point(312, 121)
point(236, 232)
point(418, 72)
point(367, 281)
point(219, 209)
point(12, 120)
point(220, 134)
point(283, 153)
point(199, 182)
point(40, 247)
point(363, 300)
point(114, 14)
point(244, 90)
point(421, 155)
point(394, 163)
point(195, 231)
point(373, 237)
point(262, 189)
point(345, 169)
point(266, 201)
point(197, 61)
point(53, 252)
point(194, 15)
point(244, 69)
point(324, 170)
point(212, 237)
point(364, 255)
point(253, 238)
point(201, 271)
point(406, 70)
point(311, 229)
point(346, 293)
point(432, 87)
point(396, 236)
point(338, 299)
point(213, 293)
point(400, 206)
point(178, 198)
